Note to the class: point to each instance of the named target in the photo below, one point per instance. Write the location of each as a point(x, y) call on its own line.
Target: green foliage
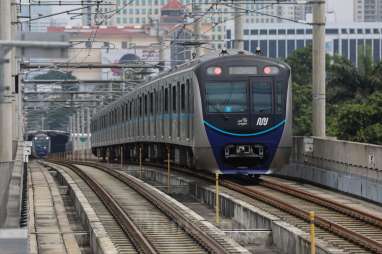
point(55, 75)
point(302, 109)
point(354, 96)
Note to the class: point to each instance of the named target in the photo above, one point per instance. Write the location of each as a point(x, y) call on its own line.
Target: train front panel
point(244, 105)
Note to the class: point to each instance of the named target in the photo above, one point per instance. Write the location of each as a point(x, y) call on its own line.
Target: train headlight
point(215, 71)
point(47, 138)
point(268, 70)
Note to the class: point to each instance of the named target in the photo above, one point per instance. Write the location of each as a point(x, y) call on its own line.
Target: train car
point(41, 144)
point(230, 114)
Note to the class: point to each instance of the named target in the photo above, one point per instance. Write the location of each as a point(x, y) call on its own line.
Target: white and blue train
point(230, 114)
point(40, 145)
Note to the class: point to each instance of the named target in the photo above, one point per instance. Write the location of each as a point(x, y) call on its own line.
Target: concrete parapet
point(15, 190)
point(5, 171)
point(14, 241)
point(346, 155)
point(351, 167)
point(286, 237)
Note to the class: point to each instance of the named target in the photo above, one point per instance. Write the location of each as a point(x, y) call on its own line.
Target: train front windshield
point(232, 97)
point(227, 97)
point(42, 143)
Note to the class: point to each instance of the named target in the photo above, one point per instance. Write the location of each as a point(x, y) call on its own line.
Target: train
point(227, 113)
point(41, 144)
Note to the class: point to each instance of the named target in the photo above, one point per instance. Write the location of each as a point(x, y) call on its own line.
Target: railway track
point(151, 222)
point(344, 227)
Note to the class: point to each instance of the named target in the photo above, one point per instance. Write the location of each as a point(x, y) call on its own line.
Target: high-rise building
point(368, 10)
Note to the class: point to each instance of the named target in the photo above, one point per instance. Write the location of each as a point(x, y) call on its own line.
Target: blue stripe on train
point(219, 138)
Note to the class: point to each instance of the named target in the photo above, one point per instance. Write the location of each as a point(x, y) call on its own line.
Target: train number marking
point(242, 122)
point(262, 121)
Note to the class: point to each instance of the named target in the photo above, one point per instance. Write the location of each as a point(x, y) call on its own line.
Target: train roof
point(224, 55)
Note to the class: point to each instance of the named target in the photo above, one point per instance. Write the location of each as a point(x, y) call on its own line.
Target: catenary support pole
point(238, 21)
point(5, 84)
point(197, 27)
point(319, 74)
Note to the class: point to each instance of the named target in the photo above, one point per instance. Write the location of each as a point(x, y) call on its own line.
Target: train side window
point(146, 106)
point(151, 103)
point(189, 99)
point(166, 100)
point(130, 109)
point(183, 98)
point(140, 106)
point(174, 99)
point(279, 97)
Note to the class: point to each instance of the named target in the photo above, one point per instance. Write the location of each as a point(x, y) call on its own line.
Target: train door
point(261, 102)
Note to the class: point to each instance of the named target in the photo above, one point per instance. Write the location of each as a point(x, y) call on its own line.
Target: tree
point(354, 96)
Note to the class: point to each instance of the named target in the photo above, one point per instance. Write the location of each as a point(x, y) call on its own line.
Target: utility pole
point(197, 27)
point(238, 42)
point(5, 83)
point(318, 67)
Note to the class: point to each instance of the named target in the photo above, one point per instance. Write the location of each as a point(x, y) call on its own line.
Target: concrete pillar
point(238, 21)
point(6, 128)
point(197, 28)
point(319, 73)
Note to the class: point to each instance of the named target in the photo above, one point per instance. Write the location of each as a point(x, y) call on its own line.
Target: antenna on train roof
point(223, 52)
point(258, 51)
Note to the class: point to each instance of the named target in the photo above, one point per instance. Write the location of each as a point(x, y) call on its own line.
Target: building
point(280, 40)
point(368, 10)
point(110, 45)
point(141, 12)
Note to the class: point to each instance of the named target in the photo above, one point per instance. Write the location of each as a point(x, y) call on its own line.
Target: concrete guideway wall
point(351, 167)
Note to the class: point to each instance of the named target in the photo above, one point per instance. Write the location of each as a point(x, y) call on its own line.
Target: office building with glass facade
point(279, 40)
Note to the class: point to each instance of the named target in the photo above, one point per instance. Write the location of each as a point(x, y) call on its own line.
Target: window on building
point(263, 31)
point(291, 31)
point(331, 31)
point(272, 31)
point(246, 32)
point(228, 34)
point(344, 31)
point(300, 31)
point(281, 31)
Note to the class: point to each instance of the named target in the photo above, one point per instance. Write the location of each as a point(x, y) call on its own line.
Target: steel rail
point(319, 221)
point(136, 236)
point(197, 233)
point(339, 230)
point(350, 211)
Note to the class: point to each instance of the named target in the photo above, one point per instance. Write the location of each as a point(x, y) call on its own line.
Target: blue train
point(40, 145)
point(230, 114)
